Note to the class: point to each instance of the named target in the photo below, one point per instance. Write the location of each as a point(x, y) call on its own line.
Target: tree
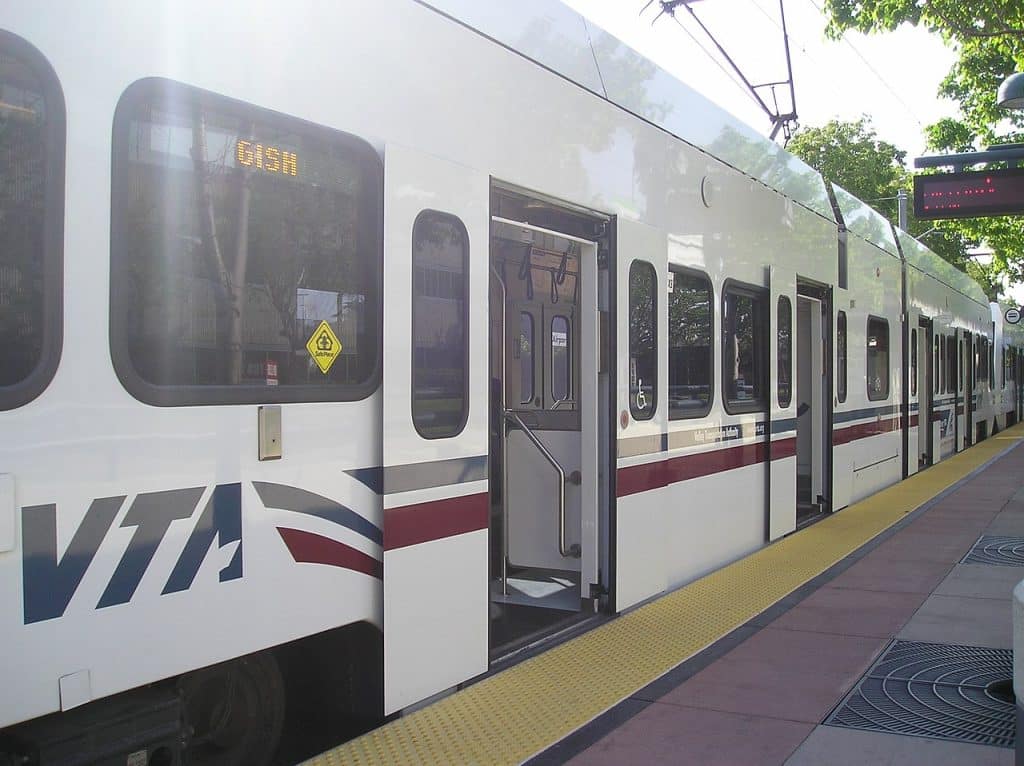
point(988, 36)
point(851, 155)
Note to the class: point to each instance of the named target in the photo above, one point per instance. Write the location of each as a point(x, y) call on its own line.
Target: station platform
point(880, 634)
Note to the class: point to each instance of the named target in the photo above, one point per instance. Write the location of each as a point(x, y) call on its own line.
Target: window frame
point(888, 357)
point(642, 263)
point(778, 352)
point(912, 367)
point(52, 251)
point(570, 373)
point(842, 371)
point(711, 342)
point(152, 90)
point(466, 263)
point(528, 402)
point(761, 294)
point(951, 356)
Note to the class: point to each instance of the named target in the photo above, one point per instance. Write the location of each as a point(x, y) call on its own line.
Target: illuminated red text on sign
point(970, 194)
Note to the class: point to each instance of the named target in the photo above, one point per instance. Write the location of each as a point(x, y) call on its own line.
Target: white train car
point(948, 323)
point(327, 374)
point(866, 441)
point(1014, 337)
point(1009, 338)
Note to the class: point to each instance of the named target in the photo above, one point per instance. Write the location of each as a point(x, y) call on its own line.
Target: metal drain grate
point(998, 550)
point(935, 690)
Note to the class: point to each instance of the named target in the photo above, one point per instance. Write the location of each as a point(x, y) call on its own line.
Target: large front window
point(246, 255)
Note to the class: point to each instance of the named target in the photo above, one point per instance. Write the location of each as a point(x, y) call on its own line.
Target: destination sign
point(973, 194)
point(269, 159)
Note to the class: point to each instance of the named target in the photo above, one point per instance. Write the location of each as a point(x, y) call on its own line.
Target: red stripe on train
point(423, 522)
point(661, 473)
point(308, 548)
point(864, 430)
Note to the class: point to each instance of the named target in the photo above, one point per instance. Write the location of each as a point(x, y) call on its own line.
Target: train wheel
point(234, 711)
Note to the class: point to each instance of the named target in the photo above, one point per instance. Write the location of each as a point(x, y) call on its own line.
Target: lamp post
point(1011, 92)
point(1011, 96)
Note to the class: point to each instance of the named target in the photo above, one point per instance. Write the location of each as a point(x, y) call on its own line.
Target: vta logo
point(49, 583)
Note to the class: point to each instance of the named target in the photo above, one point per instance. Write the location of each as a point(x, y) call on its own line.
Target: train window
point(525, 357)
point(246, 254)
point(785, 327)
point(440, 258)
point(690, 355)
point(913, 362)
point(643, 340)
point(943, 384)
point(841, 356)
point(991, 365)
point(561, 359)
point(31, 221)
point(745, 349)
point(963, 354)
point(878, 359)
point(936, 366)
point(982, 360)
point(951, 365)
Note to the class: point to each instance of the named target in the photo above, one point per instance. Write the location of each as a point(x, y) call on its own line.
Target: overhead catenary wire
point(875, 72)
point(719, 64)
point(784, 122)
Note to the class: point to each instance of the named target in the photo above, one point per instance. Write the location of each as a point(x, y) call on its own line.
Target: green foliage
point(851, 155)
point(988, 36)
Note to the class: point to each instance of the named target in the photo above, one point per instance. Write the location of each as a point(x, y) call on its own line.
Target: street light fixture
point(1011, 92)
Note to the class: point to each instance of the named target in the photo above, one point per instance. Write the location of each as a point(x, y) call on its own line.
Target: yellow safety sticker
point(323, 345)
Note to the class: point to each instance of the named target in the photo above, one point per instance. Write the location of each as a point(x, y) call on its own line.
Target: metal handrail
point(573, 551)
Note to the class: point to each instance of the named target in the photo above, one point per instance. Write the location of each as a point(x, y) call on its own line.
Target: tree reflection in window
point(745, 350)
point(878, 359)
point(440, 258)
point(689, 345)
point(643, 340)
point(785, 360)
point(24, 156)
point(841, 356)
point(240, 232)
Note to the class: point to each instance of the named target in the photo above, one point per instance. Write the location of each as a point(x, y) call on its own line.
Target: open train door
point(782, 405)
point(435, 425)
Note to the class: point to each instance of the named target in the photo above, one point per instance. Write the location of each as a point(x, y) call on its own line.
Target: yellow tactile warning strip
point(511, 716)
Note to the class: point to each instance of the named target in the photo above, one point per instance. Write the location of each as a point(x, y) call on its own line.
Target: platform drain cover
point(935, 690)
point(1003, 551)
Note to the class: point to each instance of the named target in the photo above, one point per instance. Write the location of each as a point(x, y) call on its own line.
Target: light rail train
point(349, 351)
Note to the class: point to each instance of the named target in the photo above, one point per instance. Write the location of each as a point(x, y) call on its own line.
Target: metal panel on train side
point(782, 377)
point(642, 548)
point(866, 438)
point(436, 505)
point(131, 579)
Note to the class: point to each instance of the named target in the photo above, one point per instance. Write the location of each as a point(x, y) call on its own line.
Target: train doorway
point(548, 424)
point(926, 374)
point(813, 396)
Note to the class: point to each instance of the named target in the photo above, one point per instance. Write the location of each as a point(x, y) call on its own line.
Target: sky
point(893, 78)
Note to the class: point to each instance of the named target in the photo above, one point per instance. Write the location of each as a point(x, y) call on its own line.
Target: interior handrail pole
point(514, 417)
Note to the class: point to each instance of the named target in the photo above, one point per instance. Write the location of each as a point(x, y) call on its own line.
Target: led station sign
point(973, 194)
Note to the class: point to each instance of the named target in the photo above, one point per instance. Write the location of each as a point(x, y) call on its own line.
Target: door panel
point(782, 413)
point(434, 484)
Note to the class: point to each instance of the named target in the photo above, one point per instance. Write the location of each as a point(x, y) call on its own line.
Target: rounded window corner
point(30, 357)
